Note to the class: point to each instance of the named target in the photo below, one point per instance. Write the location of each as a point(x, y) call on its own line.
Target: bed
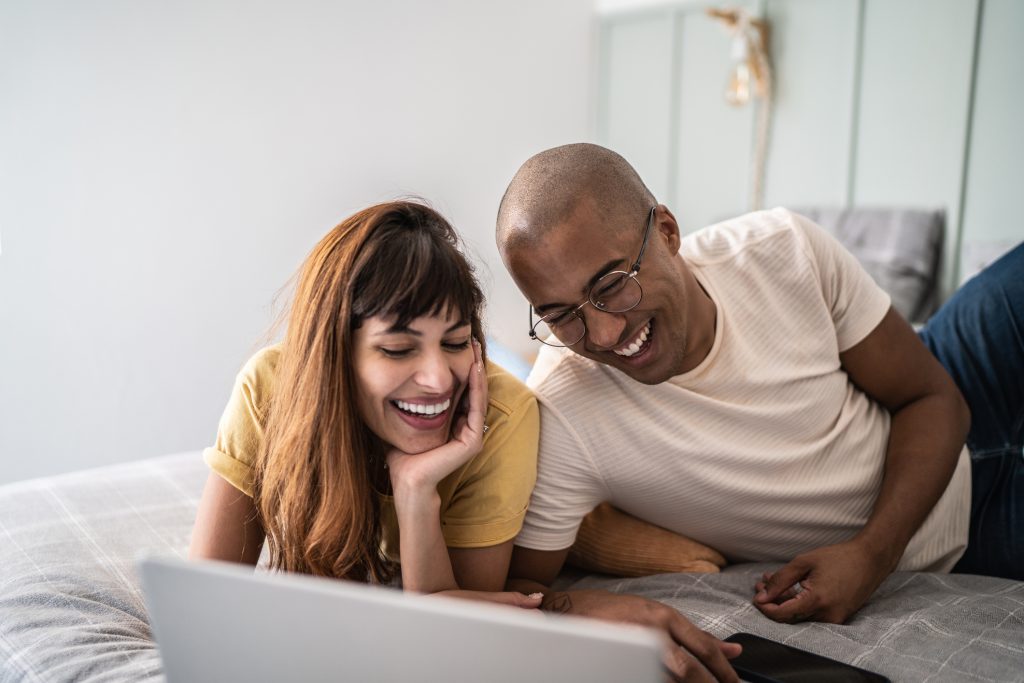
point(72, 609)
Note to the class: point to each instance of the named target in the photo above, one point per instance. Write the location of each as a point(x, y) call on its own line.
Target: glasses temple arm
point(647, 233)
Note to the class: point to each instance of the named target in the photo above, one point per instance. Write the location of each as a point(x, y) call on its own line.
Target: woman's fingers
point(469, 429)
point(477, 391)
point(510, 598)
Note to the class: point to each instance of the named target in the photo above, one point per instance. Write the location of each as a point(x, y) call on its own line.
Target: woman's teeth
point(637, 344)
point(428, 409)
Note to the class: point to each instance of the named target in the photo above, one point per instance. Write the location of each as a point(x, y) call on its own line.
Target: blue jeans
point(978, 335)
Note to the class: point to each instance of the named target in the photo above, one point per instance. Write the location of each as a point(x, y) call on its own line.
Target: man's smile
point(639, 342)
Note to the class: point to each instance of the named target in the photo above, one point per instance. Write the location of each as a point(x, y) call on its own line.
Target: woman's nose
point(434, 373)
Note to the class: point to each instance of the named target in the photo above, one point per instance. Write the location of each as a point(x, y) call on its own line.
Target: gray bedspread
point(71, 609)
point(917, 627)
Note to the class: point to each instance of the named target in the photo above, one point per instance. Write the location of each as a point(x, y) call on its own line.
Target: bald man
point(750, 387)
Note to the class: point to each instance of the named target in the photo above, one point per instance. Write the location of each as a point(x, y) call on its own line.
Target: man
point(750, 387)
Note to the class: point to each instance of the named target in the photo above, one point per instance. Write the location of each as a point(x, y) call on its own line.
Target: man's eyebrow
point(605, 269)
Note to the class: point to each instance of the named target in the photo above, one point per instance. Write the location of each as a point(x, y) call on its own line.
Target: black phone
point(766, 661)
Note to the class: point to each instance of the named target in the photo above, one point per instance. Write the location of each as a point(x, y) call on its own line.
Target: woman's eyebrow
point(398, 329)
point(405, 329)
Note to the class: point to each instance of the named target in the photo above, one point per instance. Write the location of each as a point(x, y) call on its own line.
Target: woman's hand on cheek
point(421, 472)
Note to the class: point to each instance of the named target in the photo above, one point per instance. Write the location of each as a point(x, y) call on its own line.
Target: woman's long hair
point(319, 466)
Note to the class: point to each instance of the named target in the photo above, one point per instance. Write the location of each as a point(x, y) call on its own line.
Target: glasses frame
point(634, 270)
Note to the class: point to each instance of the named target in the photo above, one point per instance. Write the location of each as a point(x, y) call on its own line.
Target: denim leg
point(978, 336)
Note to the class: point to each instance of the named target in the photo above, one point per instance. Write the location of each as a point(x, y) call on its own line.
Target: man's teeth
point(637, 344)
point(424, 408)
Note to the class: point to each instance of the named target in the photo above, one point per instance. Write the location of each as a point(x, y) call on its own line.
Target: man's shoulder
point(769, 229)
point(558, 371)
point(549, 358)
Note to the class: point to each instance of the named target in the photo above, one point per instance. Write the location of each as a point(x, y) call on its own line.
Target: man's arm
point(690, 655)
point(929, 424)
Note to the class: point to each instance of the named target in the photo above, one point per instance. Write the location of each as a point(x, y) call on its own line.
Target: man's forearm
point(925, 440)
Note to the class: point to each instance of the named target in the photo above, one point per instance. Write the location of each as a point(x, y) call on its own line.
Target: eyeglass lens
point(616, 292)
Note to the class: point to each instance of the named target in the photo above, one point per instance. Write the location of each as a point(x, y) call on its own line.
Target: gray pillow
point(900, 248)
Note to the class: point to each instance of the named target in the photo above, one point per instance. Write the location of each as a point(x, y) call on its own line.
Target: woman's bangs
point(434, 294)
point(422, 280)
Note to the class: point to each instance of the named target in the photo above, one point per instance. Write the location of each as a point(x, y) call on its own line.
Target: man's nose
point(604, 330)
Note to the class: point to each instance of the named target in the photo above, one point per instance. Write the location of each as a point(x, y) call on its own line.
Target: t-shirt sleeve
point(857, 304)
point(490, 498)
point(568, 486)
point(240, 431)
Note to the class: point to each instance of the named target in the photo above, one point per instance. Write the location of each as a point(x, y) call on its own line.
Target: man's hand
point(826, 584)
point(690, 653)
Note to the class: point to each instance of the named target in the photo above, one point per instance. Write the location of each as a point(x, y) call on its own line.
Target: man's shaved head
point(550, 185)
point(571, 216)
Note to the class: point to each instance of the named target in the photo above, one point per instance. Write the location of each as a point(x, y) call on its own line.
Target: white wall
point(165, 167)
point(866, 111)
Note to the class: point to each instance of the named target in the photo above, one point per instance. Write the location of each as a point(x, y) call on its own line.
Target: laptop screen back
point(221, 622)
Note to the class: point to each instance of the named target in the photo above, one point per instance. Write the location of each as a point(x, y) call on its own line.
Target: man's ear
point(667, 228)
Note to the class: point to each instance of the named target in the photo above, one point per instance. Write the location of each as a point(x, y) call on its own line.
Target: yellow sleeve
point(485, 501)
point(240, 432)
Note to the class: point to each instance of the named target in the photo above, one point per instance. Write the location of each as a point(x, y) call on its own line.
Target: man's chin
point(646, 373)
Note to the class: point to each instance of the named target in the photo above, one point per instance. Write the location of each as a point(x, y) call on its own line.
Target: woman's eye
point(395, 353)
point(456, 346)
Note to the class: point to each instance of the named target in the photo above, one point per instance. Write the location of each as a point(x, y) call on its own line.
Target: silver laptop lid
point(221, 622)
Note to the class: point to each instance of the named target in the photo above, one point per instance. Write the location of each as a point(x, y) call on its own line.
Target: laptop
point(215, 621)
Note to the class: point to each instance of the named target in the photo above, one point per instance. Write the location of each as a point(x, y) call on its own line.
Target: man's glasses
point(616, 292)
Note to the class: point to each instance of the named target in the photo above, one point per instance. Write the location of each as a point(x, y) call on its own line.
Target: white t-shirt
point(764, 450)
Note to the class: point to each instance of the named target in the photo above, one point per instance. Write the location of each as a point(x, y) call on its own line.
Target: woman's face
point(410, 380)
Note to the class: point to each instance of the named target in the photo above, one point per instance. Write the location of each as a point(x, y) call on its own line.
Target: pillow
point(613, 542)
point(901, 248)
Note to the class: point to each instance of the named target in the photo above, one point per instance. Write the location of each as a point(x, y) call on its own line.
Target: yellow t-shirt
point(482, 503)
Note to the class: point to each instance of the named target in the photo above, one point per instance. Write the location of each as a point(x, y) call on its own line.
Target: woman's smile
point(423, 414)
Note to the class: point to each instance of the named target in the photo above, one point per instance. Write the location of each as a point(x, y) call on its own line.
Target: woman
point(376, 415)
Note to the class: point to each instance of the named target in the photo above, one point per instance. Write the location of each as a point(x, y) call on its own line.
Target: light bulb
point(737, 91)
